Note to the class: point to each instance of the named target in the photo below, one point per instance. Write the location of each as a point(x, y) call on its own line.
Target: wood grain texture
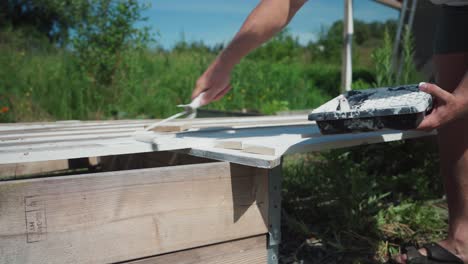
point(172, 127)
point(124, 215)
point(244, 251)
point(32, 168)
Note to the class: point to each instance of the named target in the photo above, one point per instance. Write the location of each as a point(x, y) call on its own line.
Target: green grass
point(361, 203)
point(150, 84)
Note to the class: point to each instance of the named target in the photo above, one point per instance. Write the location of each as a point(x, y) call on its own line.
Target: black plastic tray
point(401, 107)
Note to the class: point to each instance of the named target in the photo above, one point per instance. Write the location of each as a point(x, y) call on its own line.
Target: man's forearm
point(267, 19)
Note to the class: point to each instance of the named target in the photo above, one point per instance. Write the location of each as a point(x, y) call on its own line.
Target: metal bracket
point(274, 213)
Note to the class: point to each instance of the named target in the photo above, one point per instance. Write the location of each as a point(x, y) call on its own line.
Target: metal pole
point(347, 63)
point(396, 44)
point(410, 26)
point(274, 213)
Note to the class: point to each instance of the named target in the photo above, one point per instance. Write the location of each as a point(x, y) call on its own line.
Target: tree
point(52, 18)
point(105, 30)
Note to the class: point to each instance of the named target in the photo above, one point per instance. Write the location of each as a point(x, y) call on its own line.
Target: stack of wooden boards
point(255, 141)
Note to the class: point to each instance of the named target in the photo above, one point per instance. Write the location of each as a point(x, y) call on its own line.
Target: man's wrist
point(225, 61)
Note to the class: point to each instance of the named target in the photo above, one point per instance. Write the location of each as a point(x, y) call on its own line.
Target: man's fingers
point(200, 86)
point(436, 91)
point(222, 93)
point(210, 95)
point(427, 124)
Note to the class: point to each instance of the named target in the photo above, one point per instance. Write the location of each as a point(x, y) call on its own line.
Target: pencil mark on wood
point(36, 220)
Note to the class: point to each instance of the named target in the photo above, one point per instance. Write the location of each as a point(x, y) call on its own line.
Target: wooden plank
point(281, 146)
point(168, 127)
point(243, 251)
point(53, 135)
point(30, 143)
point(124, 215)
point(198, 123)
point(58, 133)
point(29, 128)
point(235, 156)
point(42, 168)
point(148, 160)
point(31, 168)
point(229, 144)
point(75, 150)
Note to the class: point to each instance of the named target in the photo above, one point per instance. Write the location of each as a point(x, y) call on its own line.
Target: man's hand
point(446, 107)
point(215, 82)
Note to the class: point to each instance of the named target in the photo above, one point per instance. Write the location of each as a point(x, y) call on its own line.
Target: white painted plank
point(106, 148)
point(75, 131)
point(26, 127)
point(290, 145)
point(77, 123)
point(71, 141)
point(272, 140)
point(235, 156)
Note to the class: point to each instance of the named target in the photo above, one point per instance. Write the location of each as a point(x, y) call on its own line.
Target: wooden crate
point(201, 213)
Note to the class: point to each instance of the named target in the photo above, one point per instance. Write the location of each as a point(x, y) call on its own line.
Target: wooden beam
point(250, 251)
point(125, 215)
point(31, 168)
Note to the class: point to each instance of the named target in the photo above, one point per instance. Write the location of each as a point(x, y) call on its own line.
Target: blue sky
point(216, 21)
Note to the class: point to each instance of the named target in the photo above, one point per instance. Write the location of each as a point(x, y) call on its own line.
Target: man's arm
point(447, 106)
point(267, 19)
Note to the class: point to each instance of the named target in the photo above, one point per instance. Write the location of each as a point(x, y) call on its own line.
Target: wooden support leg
point(274, 213)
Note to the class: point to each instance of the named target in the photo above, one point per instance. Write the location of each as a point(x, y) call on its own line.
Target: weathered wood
point(172, 127)
point(124, 215)
point(31, 168)
point(148, 160)
point(244, 251)
point(235, 156)
point(229, 144)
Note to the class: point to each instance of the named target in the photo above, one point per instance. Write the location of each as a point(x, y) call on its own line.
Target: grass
point(50, 86)
point(359, 204)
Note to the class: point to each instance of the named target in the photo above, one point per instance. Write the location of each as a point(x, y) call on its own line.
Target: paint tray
point(401, 107)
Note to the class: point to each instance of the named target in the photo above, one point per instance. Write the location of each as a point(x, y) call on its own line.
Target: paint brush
point(189, 109)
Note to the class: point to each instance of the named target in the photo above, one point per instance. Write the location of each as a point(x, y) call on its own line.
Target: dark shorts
point(452, 30)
